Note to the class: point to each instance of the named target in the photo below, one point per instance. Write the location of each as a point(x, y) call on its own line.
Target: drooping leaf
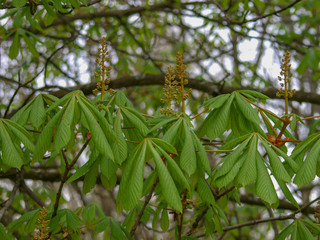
point(164, 145)
point(254, 94)
point(135, 120)
point(216, 102)
point(122, 148)
point(246, 109)
point(90, 178)
point(11, 154)
point(131, 184)
point(46, 135)
point(164, 222)
point(21, 134)
point(188, 160)
point(65, 130)
point(230, 160)
point(38, 112)
point(277, 167)
point(215, 124)
point(264, 186)
point(97, 133)
point(168, 188)
point(174, 169)
point(308, 170)
point(85, 168)
point(202, 156)
point(248, 171)
point(14, 48)
point(204, 192)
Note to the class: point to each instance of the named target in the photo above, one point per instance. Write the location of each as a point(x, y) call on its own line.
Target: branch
point(65, 177)
point(211, 88)
point(8, 202)
point(31, 194)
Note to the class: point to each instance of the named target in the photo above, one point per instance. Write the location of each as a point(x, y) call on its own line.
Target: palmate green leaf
point(90, 178)
point(248, 172)
point(174, 169)
point(62, 101)
point(202, 156)
point(303, 232)
point(115, 230)
point(287, 192)
point(303, 146)
point(135, 120)
point(108, 132)
point(38, 112)
point(19, 3)
point(100, 116)
point(73, 220)
point(230, 160)
point(20, 221)
point(162, 123)
point(164, 222)
point(314, 227)
point(23, 114)
point(216, 102)
point(288, 159)
point(235, 141)
point(109, 183)
point(11, 154)
point(107, 166)
point(216, 123)
point(31, 46)
point(148, 183)
point(65, 130)
point(254, 94)
point(21, 134)
point(36, 106)
point(121, 100)
point(122, 148)
point(171, 135)
point(249, 112)
point(164, 145)
point(226, 179)
point(188, 159)
point(264, 186)
point(204, 192)
point(45, 137)
point(97, 134)
point(14, 48)
point(168, 188)
point(131, 184)
point(85, 168)
point(285, 232)
point(308, 170)
point(278, 169)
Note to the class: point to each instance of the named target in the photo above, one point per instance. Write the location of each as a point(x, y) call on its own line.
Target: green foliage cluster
point(162, 156)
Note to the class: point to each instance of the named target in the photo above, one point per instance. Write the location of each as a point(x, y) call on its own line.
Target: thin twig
point(8, 202)
point(134, 228)
point(65, 177)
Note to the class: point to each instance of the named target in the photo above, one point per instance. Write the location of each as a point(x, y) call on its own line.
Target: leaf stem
point(199, 113)
point(268, 122)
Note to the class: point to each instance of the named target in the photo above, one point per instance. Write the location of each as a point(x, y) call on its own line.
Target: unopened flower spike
point(103, 73)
